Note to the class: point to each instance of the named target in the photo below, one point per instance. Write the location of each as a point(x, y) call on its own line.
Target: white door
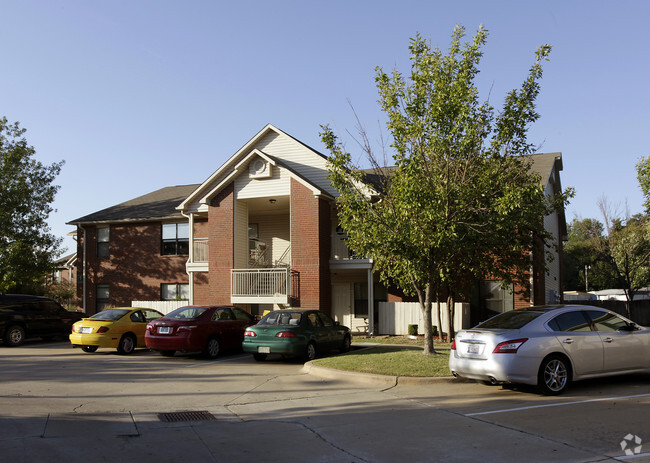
point(341, 308)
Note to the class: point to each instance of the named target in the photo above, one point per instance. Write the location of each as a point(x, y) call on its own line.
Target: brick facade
point(310, 249)
point(135, 268)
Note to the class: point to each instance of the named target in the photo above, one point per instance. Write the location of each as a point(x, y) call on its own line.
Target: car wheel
point(126, 345)
point(212, 348)
point(345, 347)
point(554, 375)
point(259, 357)
point(167, 353)
point(14, 336)
point(89, 348)
point(310, 352)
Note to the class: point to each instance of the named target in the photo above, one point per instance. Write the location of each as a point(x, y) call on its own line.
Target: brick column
point(221, 224)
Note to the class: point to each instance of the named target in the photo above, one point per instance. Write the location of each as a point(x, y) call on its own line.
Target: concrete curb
point(368, 378)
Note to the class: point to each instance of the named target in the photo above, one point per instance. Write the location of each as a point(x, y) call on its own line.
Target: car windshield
point(281, 318)
point(511, 320)
point(186, 313)
point(110, 314)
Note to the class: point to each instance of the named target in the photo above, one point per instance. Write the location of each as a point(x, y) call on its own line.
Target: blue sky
point(139, 95)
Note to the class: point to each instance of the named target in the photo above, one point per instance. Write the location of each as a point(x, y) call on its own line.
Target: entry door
point(341, 311)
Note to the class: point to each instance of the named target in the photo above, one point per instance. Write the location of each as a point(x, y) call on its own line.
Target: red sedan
point(206, 329)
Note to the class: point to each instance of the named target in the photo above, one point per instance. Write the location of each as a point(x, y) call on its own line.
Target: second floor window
point(103, 236)
point(175, 239)
point(175, 292)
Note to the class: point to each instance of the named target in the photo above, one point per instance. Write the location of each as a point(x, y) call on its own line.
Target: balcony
point(198, 261)
point(261, 286)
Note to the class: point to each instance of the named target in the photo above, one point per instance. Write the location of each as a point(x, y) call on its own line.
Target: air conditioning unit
point(259, 168)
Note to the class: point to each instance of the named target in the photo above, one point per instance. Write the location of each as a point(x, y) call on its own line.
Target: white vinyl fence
point(161, 306)
point(395, 317)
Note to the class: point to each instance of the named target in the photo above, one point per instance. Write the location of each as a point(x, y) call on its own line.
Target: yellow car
point(122, 328)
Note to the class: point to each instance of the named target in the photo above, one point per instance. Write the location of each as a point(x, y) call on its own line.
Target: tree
point(27, 248)
point(459, 203)
point(643, 175)
point(628, 247)
point(586, 257)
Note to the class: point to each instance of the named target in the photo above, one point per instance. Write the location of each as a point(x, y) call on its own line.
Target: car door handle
point(607, 340)
point(568, 341)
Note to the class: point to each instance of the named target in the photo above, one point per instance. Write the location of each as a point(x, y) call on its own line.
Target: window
point(103, 295)
point(570, 321)
point(605, 321)
point(175, 292)
point(241, 315)
point(361, 298)
point(175, 239)
point(103, 236)
point(222, 314)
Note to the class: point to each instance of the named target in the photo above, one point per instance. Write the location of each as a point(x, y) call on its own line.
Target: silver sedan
point(550, 346)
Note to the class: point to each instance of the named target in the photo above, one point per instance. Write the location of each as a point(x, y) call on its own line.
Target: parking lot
point(61, 403)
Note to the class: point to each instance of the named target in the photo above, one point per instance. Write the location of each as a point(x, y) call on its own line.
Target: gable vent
point(259, 168)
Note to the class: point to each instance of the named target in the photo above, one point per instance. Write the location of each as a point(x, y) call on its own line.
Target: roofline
point(139, 219)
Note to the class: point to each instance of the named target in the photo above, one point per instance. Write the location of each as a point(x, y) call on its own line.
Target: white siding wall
point(395, 317)
point(552, 277)
point(278, 184)
point(161, 306)
point(299, 158)
point(275, 231)
point(241, 235)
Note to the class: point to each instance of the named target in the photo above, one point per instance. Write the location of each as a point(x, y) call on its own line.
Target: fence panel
point(395, 317)
point(161, 306)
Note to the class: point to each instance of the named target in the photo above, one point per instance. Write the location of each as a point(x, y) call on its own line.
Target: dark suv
point(22, 316)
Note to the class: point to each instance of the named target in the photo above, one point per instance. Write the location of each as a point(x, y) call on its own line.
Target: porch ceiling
point(262, 206)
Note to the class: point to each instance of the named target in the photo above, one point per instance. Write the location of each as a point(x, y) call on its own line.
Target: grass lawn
point(390, 360)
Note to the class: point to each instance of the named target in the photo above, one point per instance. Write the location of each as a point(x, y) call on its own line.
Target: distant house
point(260, 232)
point(65, 270)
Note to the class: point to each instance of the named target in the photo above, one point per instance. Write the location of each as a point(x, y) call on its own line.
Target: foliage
point(27, 248)
point(64, 292)
point(586, 248)
point(643, 175)
point(458, 185)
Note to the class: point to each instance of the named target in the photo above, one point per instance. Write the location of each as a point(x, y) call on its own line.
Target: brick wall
point(135, 269)
point(310, 249)
point(221, 240)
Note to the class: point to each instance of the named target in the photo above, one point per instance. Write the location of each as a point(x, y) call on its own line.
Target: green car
point(293, 332)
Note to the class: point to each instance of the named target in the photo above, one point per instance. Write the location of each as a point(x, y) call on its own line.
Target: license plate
point(473, 349)
point(263, 350)
point(86, 330)
point(164, 329)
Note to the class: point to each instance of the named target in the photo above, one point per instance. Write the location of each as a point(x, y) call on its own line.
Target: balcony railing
point(261, 285)
point(200, 250)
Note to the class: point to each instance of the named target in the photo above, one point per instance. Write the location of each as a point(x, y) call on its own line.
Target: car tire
point(89, 348)
point(345, 347)
point(310, 352)
point(554, 375)
point(167, 353)
point(259, 357)
point(126, 345)
point(14, 336)
point(212, 348)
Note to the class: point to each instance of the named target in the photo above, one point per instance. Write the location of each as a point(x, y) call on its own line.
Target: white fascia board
point(215, 190)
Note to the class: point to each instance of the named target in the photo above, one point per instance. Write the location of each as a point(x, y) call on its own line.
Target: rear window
point(283, 318)
point(512, 320)
point(186, 313)
point(110, 314)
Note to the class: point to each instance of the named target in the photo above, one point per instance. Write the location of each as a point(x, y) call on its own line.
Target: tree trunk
point(450, 316)
point(428, 332)
point(439, 314)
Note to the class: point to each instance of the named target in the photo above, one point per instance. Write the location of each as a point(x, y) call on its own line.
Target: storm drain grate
point(176, 417)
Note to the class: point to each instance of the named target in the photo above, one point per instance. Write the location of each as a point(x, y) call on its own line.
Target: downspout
point(84, 270)
point(190, 275)
point(371, 301)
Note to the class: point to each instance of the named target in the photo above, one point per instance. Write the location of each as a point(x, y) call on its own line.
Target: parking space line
point(602, 399)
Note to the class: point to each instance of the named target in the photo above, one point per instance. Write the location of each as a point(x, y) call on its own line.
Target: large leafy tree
point(27, 248)
point(460, 202)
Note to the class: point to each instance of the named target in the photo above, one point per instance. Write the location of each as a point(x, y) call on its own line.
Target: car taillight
point(74, 329)
point(286, 334)
point(186, 328)
point(102, 329)
point(250, 333)
point(453, 344)
point(509, 347)
point(149, 327)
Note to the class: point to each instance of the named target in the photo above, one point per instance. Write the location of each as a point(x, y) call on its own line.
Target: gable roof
point(158, 205)
point(231, 168)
